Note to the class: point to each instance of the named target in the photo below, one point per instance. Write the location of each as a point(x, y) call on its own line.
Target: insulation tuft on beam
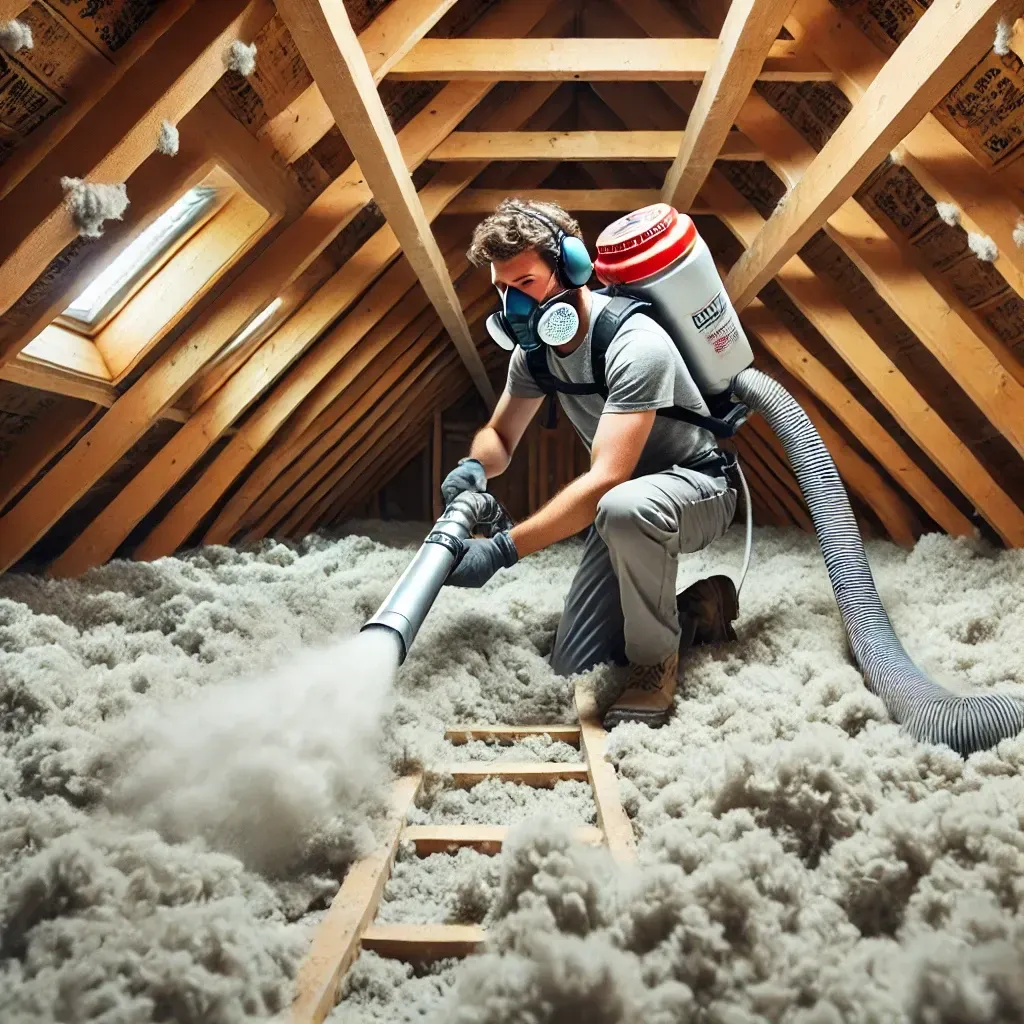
point(983, 247)
point(1004, 35)
point(241, 58)
point(1018, 234)
point(15, 36)
point(949, 213)
point(167, 141)
point(92, 204)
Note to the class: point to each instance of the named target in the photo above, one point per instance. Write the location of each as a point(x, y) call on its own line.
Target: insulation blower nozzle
point(405, 608)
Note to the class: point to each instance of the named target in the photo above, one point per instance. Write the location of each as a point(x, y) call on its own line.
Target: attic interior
point(242, 344)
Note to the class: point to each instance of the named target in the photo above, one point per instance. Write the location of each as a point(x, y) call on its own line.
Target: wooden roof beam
point(118, 133)
point(280, 469)
point(860, 476)
point(748, 35)
point(942, 47)
point(583, 60)
point(426, 381)
point(329, 46)
point(788, 155)
point(102, 537)
point(945, 168)
point(579, 145)
point(988, 372)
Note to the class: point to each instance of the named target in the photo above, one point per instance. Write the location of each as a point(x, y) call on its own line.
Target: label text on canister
point(715, 324)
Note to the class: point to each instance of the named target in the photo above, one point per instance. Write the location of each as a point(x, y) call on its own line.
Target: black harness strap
point(616, 312)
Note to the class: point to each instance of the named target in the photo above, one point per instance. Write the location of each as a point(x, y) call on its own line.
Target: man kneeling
point(657, 486)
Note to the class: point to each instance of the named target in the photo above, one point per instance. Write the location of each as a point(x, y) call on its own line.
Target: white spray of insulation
point(1018, 233)
point(801, 859)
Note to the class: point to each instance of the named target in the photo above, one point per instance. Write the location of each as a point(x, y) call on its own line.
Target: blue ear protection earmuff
point(573, 265)
point(523, 321)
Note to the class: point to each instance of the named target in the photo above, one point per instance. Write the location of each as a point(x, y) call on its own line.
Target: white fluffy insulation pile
point(800, 859)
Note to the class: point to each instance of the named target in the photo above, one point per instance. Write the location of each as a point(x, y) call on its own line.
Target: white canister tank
point(657, 254)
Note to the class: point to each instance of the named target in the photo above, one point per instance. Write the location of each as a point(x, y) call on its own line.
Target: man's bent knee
point(627, 509)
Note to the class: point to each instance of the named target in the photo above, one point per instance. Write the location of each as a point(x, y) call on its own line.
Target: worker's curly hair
point(508, 231)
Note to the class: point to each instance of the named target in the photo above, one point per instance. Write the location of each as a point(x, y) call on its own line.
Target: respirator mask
point(524, 321)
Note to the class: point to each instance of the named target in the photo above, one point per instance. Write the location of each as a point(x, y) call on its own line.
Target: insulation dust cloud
point(260, 768)
point(186, 776)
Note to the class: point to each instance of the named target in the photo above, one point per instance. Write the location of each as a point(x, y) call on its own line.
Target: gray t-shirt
point(643, 370)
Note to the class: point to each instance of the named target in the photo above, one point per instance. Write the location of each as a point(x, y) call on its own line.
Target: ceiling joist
point(583, 60)
point(603, 146)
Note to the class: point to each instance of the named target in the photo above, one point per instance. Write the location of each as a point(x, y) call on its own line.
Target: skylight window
point(114, 284)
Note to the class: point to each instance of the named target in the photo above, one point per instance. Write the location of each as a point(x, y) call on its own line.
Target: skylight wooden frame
point(144, 316)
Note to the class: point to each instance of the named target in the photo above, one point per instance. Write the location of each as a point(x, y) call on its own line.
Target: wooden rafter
point(581, 60)
point(259, 431)
point(329, 45)
point(789, 156)
point(102, 537)
point(748, 35)
point(324, 455)
point(579, 145)
point(981, 364)
point(939, 50)
point(817, 379)
point(118, 133)
point(428, 382)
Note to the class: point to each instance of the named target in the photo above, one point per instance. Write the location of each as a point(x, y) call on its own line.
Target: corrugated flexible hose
point(929, 712)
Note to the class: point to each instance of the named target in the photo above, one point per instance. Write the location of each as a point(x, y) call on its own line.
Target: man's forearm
point(490, 450)
point(573, 509)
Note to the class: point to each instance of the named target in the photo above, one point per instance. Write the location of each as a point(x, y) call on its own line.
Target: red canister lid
point(642, 243)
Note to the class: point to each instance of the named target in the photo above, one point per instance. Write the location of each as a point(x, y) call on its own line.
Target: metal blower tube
point(405, 608)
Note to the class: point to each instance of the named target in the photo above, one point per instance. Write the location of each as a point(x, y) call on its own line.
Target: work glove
point(468, 475)
point(481, 559)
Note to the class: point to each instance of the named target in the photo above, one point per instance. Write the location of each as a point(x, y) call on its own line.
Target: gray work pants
point(622, 601)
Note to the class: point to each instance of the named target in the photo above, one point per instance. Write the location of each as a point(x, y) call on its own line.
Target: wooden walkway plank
point(423, 942)
point(487, 839)
point(611, 816)
point(460, 734)
point(336, 942)
point(542, 774)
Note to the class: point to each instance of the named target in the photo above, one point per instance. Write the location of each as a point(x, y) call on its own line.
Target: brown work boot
point(650, 690)
point(711, 605)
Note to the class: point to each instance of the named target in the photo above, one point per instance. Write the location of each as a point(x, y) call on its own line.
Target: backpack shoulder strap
point(616, 312)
